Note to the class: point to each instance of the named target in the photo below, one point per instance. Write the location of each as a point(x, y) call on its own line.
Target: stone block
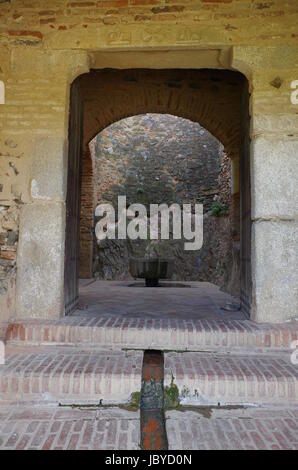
point(49, 168)
point(40, 262)
point(274, 271)
point(274, 178)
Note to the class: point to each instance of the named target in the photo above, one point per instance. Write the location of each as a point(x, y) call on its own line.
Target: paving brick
point(49, 427)
point(70, 374)
point(231, 429)
point(178, 334)
point(232, 379)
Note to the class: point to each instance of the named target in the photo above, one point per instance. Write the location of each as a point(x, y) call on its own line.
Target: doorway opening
point(159, 136)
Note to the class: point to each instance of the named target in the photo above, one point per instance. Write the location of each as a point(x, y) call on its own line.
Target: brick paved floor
point(46, 427)
point(158, 333)
point(50, 427)
point(247, 429)
point(69, 360)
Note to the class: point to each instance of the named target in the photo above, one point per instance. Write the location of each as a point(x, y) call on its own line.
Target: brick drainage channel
point(153, 428)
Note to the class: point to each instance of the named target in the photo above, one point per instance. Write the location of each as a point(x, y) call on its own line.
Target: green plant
point(135, 400)
point(171, 395)
point(218, 209)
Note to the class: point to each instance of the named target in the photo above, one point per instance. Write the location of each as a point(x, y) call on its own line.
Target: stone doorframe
point(40, 262)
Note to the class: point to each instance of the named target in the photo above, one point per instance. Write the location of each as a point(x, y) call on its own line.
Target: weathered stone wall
point(213, 263)
point(45, 45)
point(9, 226)
point(158, 158)
point(161, 159)
point(64, 23)
point(12, 196)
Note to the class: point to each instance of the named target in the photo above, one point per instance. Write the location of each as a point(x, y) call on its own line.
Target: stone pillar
point(40, 257)
point(275, 228)
point(40, 262)
point(40, 274)
point(274, 166)
point(274, 177)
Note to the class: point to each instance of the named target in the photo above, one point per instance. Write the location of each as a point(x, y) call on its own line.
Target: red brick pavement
point(46, 427)
point(246, 429)
point(50, 427)
point(68, 373)
point(146, 333)
point(231, 379)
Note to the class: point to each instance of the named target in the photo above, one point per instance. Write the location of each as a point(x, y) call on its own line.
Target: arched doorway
point(218, 100)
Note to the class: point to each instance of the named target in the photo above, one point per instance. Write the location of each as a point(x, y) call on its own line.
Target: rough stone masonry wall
point(12, 197)
point(9, 225)
point(159, 158)
point(163, 159)
point(45, 45)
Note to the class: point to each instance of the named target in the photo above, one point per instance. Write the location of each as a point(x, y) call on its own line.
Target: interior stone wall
point(158, 159)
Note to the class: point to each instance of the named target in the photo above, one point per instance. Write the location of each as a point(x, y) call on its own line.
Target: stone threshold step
point(212, 379)
point(164, 334)
point(68, 374)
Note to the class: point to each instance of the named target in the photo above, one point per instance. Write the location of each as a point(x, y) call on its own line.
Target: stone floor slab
point(131, 299)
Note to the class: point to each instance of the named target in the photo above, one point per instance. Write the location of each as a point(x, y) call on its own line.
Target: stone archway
point(211, 97)
point(217, 99)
